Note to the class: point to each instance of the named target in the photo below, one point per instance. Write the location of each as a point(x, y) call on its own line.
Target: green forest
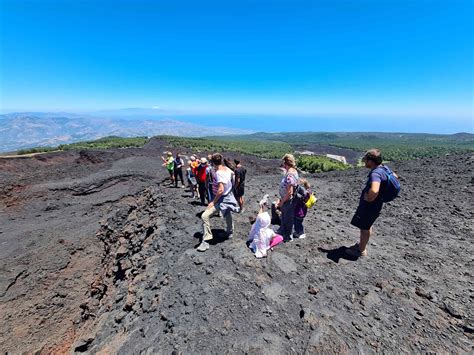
point(394, 146)
point(318, 164)
point(102, 143)
point(263, 149)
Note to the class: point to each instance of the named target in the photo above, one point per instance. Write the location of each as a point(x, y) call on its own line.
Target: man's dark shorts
point(366, 215)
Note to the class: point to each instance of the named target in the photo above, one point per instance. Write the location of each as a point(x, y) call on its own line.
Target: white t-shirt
point(225, 177)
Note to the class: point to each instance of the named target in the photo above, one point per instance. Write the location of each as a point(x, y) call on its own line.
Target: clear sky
point(361, 58)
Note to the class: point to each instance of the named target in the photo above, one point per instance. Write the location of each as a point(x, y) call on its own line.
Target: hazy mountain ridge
point(26, 130)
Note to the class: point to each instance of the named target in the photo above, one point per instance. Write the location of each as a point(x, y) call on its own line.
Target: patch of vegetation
point(36, 150)
point(394, 146)
point(319, 163)
point(264, 149)
point(404, 150)
point(106, 143)
point(102, 143)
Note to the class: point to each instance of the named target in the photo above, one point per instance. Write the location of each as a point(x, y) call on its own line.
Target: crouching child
point(261, 236)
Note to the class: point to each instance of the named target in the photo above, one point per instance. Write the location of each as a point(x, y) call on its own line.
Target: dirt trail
point(106, 261)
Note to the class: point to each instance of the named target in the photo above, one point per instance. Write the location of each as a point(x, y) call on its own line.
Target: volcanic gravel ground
point(99, 255)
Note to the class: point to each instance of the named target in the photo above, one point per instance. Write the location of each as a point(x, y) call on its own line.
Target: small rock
point(198, 260)
point(118, 318)
point(453, 310)
point(121, 251)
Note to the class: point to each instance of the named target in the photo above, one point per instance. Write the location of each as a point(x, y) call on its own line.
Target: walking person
point(224, 202)
point(286, 204)
point(178, 163)
point(239, 189)
point(382, 186)
point(194, 171)
point(201, 176)
point(211, 182)
point(192, 182)
point(168, 162)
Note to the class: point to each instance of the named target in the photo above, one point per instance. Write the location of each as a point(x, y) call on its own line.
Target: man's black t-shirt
point(240, 173)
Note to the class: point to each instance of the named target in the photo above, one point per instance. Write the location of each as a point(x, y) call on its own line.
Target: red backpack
point(201, 173)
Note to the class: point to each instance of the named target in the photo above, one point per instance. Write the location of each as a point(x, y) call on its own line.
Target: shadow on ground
point(337, 254)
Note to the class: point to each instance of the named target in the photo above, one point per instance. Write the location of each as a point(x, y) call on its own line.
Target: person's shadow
point(337, 254)
point(218, 236)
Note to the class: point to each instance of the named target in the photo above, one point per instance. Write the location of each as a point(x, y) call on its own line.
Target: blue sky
point(405, 59)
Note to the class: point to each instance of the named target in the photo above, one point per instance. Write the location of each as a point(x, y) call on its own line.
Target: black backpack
point(300, 193)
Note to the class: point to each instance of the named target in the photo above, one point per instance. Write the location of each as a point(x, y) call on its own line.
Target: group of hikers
point(201, 176)
point(220, 185)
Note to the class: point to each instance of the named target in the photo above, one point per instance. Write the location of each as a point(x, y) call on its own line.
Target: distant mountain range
point(34, 129)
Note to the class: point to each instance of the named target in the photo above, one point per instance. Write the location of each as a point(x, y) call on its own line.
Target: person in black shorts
point(370, 202)
point(239, 188)
point(178, 164)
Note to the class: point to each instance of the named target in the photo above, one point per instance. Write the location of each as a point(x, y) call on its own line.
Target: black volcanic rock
point(115, 269)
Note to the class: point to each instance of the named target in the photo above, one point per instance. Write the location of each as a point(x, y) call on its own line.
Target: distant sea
point(275, 123)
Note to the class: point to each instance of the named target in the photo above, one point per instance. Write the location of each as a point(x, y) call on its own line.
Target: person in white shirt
point(224, 202)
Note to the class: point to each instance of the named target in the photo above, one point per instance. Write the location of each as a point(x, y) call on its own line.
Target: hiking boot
point(203, 246)
point(354, 251)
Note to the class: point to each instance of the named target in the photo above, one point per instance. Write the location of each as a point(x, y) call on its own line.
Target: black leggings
point(178, 172)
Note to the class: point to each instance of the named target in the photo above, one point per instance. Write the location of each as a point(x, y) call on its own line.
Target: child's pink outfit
point(262, 237)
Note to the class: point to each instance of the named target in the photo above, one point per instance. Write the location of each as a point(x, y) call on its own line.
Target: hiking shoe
point(356, 252)
point(230, 235)
point(302, 236)
point(203, 246)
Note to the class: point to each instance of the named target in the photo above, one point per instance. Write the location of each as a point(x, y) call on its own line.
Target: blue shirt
point(375, 175)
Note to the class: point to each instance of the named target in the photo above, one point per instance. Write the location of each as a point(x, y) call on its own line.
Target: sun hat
point(203, 161)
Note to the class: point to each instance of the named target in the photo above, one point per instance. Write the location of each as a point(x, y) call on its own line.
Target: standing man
point(178, 170)
point(224, 202)
point(239, 189)
point(370, 202)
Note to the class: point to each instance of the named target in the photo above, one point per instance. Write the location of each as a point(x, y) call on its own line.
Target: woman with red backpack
point(201, 177)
